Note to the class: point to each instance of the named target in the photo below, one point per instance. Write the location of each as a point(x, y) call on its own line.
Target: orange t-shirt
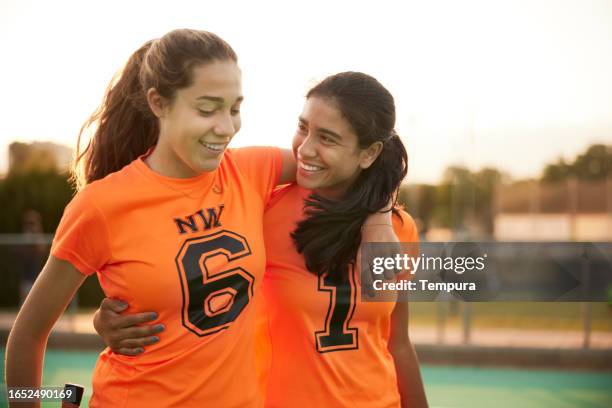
point(190, 249)
point(327, 347)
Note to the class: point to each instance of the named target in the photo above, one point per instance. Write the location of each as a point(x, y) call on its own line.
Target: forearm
point(24, 360)
point(409, 381)
point(50, 295)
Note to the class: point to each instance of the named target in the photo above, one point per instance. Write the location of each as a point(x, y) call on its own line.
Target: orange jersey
point(192, 250)
point(327, 348)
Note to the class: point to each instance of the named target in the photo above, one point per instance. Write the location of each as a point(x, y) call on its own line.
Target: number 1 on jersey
point(338, 335)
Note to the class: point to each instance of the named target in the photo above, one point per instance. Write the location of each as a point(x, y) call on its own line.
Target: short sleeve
point(261, 166)
point(406, 231)
point(82, 236)
point(405, 228)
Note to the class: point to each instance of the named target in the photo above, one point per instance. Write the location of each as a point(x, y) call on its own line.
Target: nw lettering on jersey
point(202, 220)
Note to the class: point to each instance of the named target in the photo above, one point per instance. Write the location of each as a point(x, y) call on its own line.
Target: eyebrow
point(324, 130)
point(217, 98)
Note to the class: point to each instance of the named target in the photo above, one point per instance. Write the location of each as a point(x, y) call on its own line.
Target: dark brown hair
point(330, 234)
point(126, 127)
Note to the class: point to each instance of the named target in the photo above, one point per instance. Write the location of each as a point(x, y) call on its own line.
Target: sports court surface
point(446, 386)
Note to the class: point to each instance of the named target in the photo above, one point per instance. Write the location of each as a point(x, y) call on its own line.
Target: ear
point(370, 154)
point(157, 103)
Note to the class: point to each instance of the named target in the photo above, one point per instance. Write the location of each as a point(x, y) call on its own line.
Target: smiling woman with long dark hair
point(329, 348)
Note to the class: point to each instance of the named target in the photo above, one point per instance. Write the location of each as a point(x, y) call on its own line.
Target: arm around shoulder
point(265, 167)
point(288, 167)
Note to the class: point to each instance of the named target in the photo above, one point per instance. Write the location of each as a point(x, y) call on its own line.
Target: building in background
point(44, 156)
point(565, 211)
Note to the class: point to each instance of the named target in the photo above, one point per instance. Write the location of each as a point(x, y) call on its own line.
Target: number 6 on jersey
point(211, 302)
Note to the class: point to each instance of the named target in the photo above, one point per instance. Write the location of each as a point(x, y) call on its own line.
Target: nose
point(308, 148)
point(225, 125)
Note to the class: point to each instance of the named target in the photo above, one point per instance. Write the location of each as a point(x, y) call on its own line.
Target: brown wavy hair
point(125, 126)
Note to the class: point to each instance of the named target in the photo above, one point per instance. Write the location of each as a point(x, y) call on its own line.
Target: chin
point(308, 184)
point(303, 182)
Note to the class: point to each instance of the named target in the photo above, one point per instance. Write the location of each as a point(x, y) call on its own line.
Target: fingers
point(367, 284)
point(138, 332)
point(114, 305)
point(110, 316)
point(389, 274)
point(392, 250)
point(135, 343)
point(125, 334)
point(380, 262)
point(128, 351)
point(127, 341)
point(134, 319)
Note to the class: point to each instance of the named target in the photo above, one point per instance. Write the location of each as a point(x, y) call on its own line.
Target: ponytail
point(126, 127)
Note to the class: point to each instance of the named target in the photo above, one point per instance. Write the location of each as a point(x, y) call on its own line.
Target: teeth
point(310, 167)
point(214, 146)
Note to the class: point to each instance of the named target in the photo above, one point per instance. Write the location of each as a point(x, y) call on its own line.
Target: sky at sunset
point(510, 84)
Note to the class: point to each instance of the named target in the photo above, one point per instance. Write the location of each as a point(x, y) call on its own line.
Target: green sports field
point(446, 386)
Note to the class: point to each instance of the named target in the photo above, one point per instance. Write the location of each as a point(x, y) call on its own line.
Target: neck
point(165, 163)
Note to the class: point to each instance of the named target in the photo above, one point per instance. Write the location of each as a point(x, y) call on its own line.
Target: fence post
point(441, 322)
point(587, 317)
point(467, 323)
point(585, 306)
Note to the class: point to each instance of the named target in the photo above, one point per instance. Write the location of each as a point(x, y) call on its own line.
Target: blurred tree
point(47, 192)
point(38, 156)
point(557, 172)
point(594, 164)
point(459, 195)
point(420, 201)
point(486, 182)
point(463, 201)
